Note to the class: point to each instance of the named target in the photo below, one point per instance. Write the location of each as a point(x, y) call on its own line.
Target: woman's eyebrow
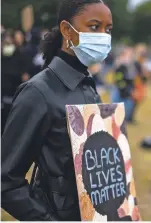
point(95, 20)
point(100, 22)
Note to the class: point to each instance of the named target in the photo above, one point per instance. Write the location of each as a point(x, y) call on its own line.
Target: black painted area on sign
point(104, 174)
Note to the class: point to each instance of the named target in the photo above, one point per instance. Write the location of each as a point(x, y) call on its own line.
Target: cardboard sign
point(102, 162)
point(27, 17)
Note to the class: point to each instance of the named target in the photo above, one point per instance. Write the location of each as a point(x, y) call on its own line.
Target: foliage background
point(130, 26)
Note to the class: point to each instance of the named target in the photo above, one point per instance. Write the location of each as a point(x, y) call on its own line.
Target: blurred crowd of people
point(131, 75)
point(130, 68)
point(20, 60)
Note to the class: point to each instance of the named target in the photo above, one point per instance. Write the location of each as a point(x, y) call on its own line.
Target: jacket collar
point(70, 77)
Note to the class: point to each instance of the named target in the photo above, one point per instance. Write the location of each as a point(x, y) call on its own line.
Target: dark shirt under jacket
point(36, 131)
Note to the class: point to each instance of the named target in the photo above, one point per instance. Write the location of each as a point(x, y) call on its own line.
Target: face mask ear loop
point(75, 31)
point(73, 28)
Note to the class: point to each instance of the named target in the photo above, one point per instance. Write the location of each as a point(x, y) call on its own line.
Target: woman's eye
point(108, 30)
point(94, 27)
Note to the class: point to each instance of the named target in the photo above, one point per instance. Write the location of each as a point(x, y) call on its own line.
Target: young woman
point(36, 130)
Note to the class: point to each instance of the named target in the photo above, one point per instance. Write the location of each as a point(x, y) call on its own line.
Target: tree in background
point(45, 12)
point(122, 18)
point(142, 23)
point(127, 25)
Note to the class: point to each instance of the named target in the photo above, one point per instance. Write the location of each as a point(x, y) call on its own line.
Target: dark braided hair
point(53, 40)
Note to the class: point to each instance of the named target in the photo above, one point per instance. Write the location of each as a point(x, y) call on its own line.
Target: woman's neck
point(73, 61)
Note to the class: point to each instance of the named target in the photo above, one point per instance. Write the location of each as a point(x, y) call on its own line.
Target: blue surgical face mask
point(92, 48)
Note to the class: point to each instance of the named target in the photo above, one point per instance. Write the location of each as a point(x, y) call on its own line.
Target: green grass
point(141, 159)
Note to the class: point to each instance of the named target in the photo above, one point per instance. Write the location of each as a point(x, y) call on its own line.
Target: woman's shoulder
point(36, 89)
point(43, 82)
point(40, 80)
point(28, 95)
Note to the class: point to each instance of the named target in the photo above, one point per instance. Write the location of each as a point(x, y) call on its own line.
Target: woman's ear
point(68, 33)
point(65, 30)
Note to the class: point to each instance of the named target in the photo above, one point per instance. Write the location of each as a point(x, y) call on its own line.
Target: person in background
point(2, 29)
point(139, 83)
point(107, 72)
point(108, 64)
point(129, 79)
point(20, 42)
point(146, 143)
point(2, 32)
point(32, 57)
point(101, 69)
point(11, 71)
point(147, 66)
point(123, 75)
point(95, 71)
point(19, 38)
point(110, 60)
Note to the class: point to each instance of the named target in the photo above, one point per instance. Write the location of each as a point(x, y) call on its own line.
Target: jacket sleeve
point(24, 132)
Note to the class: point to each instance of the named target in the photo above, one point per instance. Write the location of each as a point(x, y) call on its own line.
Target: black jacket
point(11, 71)
point(36, 131)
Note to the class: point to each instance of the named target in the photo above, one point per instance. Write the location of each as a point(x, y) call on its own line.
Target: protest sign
point(27, 18)
point(102, 162)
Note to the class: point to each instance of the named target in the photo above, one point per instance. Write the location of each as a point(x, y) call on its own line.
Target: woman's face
point(96, 18)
